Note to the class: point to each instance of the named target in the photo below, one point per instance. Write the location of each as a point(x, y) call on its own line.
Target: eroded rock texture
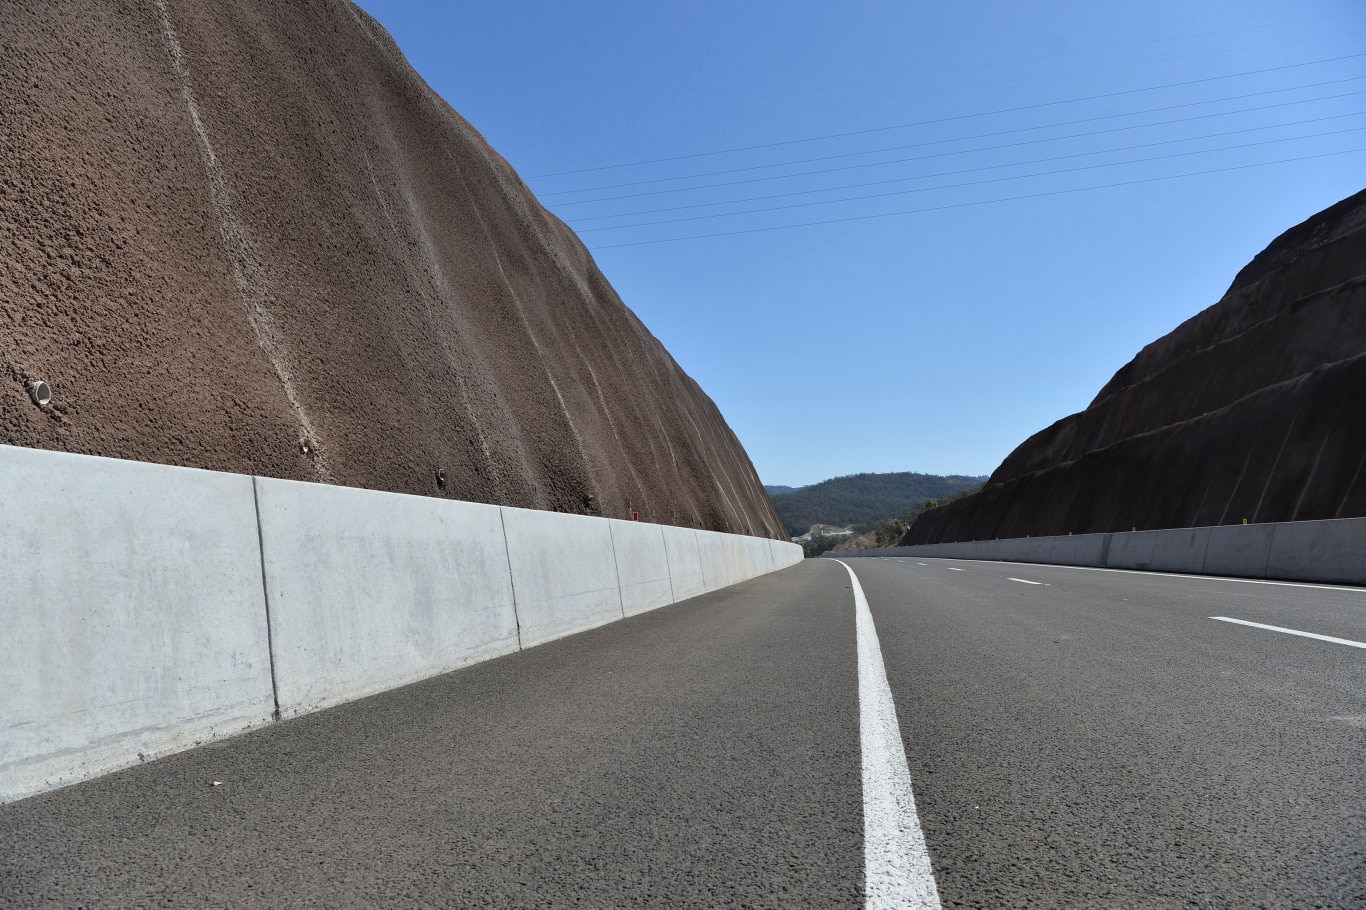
point(1254, 409)
point(229, 226)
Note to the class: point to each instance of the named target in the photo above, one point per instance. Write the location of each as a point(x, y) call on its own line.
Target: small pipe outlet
point(40, 392)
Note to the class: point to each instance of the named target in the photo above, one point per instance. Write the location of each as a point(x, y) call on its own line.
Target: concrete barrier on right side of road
point(564, 573)
point(132, 617)
point(1179, 549)
point(1238, 550)
point(990, 549)
point(1132, 551)
point(370, 590)
point(1056, 549)
point(1083, 550)
point(1328, 551)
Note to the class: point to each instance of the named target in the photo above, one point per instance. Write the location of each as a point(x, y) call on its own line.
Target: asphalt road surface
point(1073, 738)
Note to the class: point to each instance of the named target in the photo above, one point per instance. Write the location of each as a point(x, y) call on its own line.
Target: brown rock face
point(244, 235)
point(1252, 409)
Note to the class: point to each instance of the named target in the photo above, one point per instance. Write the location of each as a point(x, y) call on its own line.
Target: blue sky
point(996, 277)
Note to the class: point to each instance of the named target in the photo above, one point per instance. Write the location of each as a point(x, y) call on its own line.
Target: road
point(1073, 737)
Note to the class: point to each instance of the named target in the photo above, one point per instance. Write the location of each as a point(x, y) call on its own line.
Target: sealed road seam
point(896, 863)
point(1258, 625)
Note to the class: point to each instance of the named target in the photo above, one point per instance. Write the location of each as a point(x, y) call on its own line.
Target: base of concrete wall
point(1332, 551)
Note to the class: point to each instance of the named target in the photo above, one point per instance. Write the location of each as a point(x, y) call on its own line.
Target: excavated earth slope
point(1252, 409)
point(244, 235)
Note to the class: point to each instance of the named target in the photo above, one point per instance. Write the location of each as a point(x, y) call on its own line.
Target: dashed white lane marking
point(954, 569)
point(1026, 581)
point(1258, 625)
point(1152, 574)
point(896, 863)
point(922, 563)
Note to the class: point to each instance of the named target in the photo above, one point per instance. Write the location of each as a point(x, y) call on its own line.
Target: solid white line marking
point(1026, 581)
point(1258, 625)
point(896, 863)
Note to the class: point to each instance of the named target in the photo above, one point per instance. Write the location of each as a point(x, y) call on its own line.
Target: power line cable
point(971, 170)
point(955, 117)
point(926, 144)
point(979, 202)
point(944, 71)
point(1014, 80)
point(954, 186)
point(940, 155)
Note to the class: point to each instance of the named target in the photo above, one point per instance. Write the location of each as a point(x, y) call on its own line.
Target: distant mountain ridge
point(862, 499)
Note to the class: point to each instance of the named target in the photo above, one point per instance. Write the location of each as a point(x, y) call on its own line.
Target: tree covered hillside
point(863, 500)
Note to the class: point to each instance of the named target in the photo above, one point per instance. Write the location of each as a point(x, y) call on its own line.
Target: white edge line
point(1259, 625)
point(896, 861)
point(1246, 581)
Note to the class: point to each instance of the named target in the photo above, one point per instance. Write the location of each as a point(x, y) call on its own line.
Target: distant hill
point(862, 500)
point(777, 489)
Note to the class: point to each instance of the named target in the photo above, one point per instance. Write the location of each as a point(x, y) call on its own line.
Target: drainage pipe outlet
point(40, 392)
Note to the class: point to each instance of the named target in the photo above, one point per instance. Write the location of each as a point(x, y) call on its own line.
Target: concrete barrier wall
point(368, 591)
point(785, 554)
point(717, 560)
point(684, 553)
point(1331, 551)
point(643, 569)
point(132, 615)
point(1177, 550)
point(1239, 550)
point(1322, 550)
point(564, 573)
point(1132, 551)
point(145, 609)
point(739, 557)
